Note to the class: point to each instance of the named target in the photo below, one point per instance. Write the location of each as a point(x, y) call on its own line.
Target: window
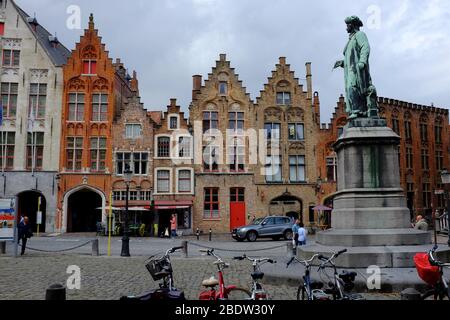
point(184, 147)
point(331, 169)
point(441, 197)
point(236, 154)
point(74, 152)
point(439, 160)
point(236, 121)
point(173, 123)
point(273, 169)
point(133, 131)
point(11, 58)
point(7, 146)
point(425, 158)
point(98, 154)
point(297, 168)
point(408, 130)
point(396, 126)
point(211, 204)
point(164, 147)
point(140, 161)
point(426, 194)
point(184, 181)
point(89, 67)
point(35, 150)
point(296, 131)
point(272, 131)
point(424, 132)
point(237, 195)
point(9, 99)
point(2, 28)
point(137, 162)
point(38, 100)
point(281, 220)
point(438, 133)
point(76, 106)
point(99, 107)
point(409, 157)
point(283, 98)
point(210, 121)
point(210, 158)
point(163, 181)
point(135, 195)
point(223, 88)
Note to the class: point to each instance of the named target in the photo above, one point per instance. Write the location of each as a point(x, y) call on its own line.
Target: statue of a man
point(360, 92)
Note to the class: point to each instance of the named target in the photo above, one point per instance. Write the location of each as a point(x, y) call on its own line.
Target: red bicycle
point(224, 292)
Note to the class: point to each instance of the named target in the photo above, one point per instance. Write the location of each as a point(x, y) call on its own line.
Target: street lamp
point(445, 176)
point(127, 175)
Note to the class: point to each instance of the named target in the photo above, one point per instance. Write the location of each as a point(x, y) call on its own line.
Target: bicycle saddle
point(257, 275)
point(210, 283)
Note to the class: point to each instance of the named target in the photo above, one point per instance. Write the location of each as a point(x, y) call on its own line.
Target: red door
point(237, 208)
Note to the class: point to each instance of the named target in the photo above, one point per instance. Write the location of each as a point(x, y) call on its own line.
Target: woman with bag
point(24, 233)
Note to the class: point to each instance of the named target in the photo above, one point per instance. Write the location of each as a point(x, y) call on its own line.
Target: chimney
point(309, 81)
point(134, 83)
point(197, 85)
point(53, 41)
point(173, 102)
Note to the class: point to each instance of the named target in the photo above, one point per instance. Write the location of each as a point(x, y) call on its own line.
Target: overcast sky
point(168, 41)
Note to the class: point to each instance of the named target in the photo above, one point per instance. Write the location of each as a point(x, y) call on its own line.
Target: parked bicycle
point(341, 285)
point(160, 269)
point(224, 292)
point(431, 271)
point(309, 289)
point(258, 292)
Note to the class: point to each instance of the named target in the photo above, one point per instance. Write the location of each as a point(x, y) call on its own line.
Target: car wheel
point(252, 236)
point(288, 235)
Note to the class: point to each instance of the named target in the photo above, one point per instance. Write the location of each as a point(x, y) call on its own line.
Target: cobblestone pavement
point(105, 278)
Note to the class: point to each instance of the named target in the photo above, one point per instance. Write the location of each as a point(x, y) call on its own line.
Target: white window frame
point(133, 137)
point(192, 180)
point(170, 181)
point(170, 146)
point(191, 146)
point(173, 115)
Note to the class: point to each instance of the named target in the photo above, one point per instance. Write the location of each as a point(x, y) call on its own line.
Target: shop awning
point(170, 205)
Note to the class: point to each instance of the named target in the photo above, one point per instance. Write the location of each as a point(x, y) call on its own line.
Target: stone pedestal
point(370, 216)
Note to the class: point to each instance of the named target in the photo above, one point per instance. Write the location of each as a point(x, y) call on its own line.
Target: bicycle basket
point(428, 273)
point(159, 268)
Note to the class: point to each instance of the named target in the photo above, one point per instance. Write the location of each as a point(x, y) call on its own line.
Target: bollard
point(56, 292)
point(184, 244)
point(95, 250)
point(2, 247)
point(410, 294)
point(198, 234)
point(290, 249)
point(210, 234)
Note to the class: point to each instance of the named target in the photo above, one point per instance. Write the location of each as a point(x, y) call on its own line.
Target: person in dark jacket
point(24, 233)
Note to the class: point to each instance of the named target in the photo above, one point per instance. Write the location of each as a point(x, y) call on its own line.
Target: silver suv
point(270, 227)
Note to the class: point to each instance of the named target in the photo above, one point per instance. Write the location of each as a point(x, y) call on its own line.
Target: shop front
point(163, 212)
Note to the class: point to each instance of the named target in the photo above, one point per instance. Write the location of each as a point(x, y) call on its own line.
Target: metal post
point(3, 247)
point(126, 238)
point(184, 244)
point(56, 292)
point(95, 249)
point(448, 214)
point(198, 234)
point(210, 234)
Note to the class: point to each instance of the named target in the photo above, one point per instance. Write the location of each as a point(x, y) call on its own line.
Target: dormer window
point(173, 123)
point(223, 88)
point(283, 98)
point(89, 67)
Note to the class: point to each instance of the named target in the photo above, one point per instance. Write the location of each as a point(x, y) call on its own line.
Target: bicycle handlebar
point(330, 259)
point(175, 249)
point(255, 260)
point(304, 262)
point(434, 261)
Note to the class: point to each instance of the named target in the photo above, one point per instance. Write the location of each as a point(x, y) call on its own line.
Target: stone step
point(381, 256)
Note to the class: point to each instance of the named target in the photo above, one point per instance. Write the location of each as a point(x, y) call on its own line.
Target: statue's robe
point(357, 81)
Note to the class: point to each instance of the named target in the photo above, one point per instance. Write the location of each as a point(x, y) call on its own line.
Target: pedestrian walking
point(173, 226)
point(295, 228)
point(302, 234)
point(24, 233)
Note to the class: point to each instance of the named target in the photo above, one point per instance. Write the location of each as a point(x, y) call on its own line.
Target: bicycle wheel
point(239, 294)
point(301, 293)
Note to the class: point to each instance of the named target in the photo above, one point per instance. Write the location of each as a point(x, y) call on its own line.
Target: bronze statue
point(361, 94)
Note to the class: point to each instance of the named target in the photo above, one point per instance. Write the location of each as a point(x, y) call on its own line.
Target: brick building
point(132, 134)
point(286, 184)
point(31, 94)
point(222, 114)
point(173, 170)
point(94, 91)
point(423, 153)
